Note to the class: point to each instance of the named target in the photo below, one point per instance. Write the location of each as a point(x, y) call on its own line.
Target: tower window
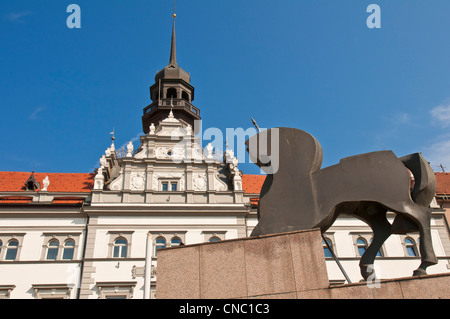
point(185, 96)
point(172, 93)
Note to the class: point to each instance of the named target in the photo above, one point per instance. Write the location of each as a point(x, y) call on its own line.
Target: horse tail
point(424, 179)
point(422, 193)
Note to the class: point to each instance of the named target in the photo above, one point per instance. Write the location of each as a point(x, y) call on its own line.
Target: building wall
point(394, 262)
point(189, 227)
point(101, 268)
point(31, 267)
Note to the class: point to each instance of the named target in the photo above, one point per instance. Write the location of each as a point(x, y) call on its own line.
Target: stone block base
point(288, 265)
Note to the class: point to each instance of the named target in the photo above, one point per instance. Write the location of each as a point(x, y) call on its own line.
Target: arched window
point(52, 249)
point(185, 96)
point(120, 248)
point(213, 239)
point(175, 242)
point(361, 245)
point(411, 248)
point(160, 243)
point(326, 250)
point(11, 252)
point(171, 93)
point(69, 249)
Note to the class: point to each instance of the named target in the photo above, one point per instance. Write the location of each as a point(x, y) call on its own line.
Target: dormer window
point(31, 184)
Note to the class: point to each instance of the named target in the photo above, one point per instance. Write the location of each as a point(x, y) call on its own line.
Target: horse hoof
point(367, 271)
point(419, 272)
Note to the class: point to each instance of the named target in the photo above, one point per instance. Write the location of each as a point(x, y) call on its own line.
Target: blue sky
point(313, 65)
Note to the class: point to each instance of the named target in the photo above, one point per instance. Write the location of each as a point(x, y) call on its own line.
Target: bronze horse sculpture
point(297, 194)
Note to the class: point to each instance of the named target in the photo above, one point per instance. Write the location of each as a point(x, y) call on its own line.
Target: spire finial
point(112, 140)
point(173, 48)
point(174, 14)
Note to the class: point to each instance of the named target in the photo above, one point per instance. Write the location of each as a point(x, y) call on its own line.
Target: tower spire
point(173, 48)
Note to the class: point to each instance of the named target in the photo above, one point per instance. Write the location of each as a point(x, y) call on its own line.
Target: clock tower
point(172, 91)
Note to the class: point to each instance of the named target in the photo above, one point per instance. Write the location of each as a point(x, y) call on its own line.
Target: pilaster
point(88, 271)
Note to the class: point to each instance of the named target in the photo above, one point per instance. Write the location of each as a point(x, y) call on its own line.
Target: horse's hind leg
point(423, 218)
point(375, 217)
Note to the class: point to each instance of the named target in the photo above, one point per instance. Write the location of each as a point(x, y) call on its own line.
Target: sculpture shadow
point(300, 195)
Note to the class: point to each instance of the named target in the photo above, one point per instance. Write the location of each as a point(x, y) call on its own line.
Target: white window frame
point(367, 236)
point(330, 237)
point(113, 236)
point(62, 238)
point(116, 289)
point(415, 238)
point(170, 182)
point(168, 236)
point(6, 238)
point(52, 291)
point(207, 235)
point(5, 291)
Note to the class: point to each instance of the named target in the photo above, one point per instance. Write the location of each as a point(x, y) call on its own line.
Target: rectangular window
point(169, 186)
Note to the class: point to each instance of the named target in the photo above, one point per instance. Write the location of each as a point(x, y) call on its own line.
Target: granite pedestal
point(288, 265)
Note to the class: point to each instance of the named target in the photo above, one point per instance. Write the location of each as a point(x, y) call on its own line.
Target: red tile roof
point(84, 182)
point(15, 200)
point(68, 200)
point(59, 182)
point(252, 183)
point(443, 183)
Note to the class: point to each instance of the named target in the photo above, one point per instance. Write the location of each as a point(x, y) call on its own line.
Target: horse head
point(285, 149)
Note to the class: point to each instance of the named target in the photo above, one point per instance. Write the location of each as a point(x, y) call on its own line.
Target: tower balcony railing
point(168, 103)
